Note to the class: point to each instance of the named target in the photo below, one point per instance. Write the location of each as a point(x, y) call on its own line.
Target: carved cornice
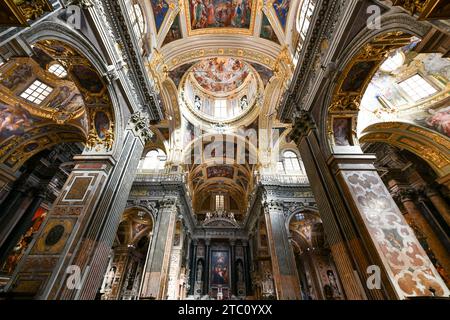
point(405, 194)
point(274, 205)
point(143, 88)
point(144, 203)
point(325, 21)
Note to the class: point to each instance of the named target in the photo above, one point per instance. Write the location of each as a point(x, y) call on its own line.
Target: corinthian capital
point(303, 123)
point(141, 125)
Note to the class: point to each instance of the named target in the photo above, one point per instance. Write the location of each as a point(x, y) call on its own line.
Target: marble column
point(346, 246)
point(156, 274)
point(206, 271)
point(233, 268)
point(283, 262)
point(405, 268)
point(193, 271)
point(70, 254)
point(439, 203)
point(417, 221)
point(247, 265)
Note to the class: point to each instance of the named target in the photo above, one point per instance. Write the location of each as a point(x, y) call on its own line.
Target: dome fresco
point(221, 75)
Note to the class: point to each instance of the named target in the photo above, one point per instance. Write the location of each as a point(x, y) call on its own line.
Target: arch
point(363, 56)
point(153, 160)
point(426, 144)
point(129, 216)
point(61, 32)
point(300, 209)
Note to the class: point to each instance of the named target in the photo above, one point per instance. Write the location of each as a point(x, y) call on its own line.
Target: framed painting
point(220, 16)
point(220, 268)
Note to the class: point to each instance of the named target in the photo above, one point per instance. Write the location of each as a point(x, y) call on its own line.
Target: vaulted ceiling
point(189, 41)
point(176, 23)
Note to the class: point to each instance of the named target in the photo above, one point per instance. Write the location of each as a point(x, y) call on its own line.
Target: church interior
point(224, 149)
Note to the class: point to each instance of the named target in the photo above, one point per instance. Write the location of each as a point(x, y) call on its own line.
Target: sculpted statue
point(240, 273)
point(199, 271)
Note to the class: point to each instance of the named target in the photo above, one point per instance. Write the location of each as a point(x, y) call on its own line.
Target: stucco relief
point(406, 262)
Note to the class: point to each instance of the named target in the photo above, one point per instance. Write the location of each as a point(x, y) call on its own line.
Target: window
point(139, 18)
point(220, 202)
point(393, 62)
point(154, 160)
point(37, 92)
point(299, 216)
point(291, 163)
point(304, 14)
point(280, 167)
point(417, 87)
point(58, 70)
point(136, 18)
point(220, 109)
point(304, 17)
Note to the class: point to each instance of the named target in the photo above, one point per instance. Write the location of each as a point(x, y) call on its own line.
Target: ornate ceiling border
point(426, 144)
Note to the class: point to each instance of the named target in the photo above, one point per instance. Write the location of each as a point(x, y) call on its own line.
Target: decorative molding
point(112, 14)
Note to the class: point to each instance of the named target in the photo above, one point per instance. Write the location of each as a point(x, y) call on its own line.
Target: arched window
point(155, 160)
point(289, 164)
point(136, 18)
point(304, 15)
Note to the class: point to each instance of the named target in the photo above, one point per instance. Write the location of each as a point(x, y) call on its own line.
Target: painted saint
point(14, 120)
point(102, 124)
point(219, 271)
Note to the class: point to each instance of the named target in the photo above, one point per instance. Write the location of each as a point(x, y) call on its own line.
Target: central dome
point(220, 75)
point(220, 89)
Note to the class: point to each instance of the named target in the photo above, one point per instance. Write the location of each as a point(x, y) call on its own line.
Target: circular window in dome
point(220, 89)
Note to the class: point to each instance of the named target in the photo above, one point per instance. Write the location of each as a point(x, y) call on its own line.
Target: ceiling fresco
point(15, 120)
point(282, 10)
point(207, 14)
point(267, 31)
point(160, 9)
point(386, 100)
point(221, 75)
point(174, 32)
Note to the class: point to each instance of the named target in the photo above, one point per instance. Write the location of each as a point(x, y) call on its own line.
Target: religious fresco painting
point(174, 31)
point(438, 120)
point(281, 8)
point(384, 94)
point(87, 78)
point(220, 261)
point(220, 13)
point(102, 124)
point(220, 171)
point(342, 131)
point(14, 120)
point(24, 241)
point(19, 76)
point(357, 75)
point(160, 9)
point(267, 31)
point(178, 73)
point(220, 75)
